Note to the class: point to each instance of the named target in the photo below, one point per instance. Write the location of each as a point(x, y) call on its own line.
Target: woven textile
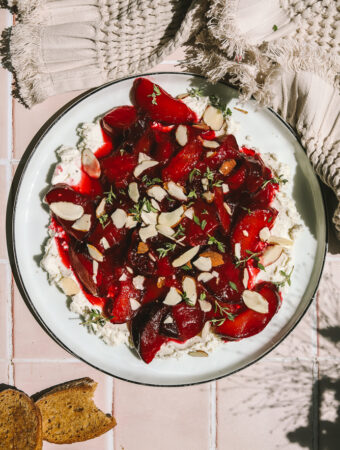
point(285, 53)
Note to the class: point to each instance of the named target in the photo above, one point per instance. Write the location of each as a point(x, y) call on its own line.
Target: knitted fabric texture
point(284, 53)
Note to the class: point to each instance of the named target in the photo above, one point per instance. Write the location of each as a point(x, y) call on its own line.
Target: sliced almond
point(216, 258)
point(189, 287)
point(245, 233)
point(69, 286)
point(83, 224)
point(210, 154)
point(186, 257)
point(165, 230)
point(255, 301)
point(94, 253)
point(205, 305)
point(271, 254)
point(143, 157)
point(205, 183)
point(173, 297)
point(100, 210)
point(147, 232)
point(227, 167)
point(227, 208)
point(176, 190)
point(134, 304)
point(180, 96)
point(189, 213)
point(205, 330)
point(104, 243)
point(90, 164)
point(203, 264)
point(149, 217)
point(237, 250)
point(169, 319)
point(155, 204)
point(142, 248)
point(172, 218)
point(284, 242)
point(182, 135)
point(225, 188)
point(157, 192)
point(198, 353)
point(95, 266)
point(129, 269)
point(264, 234)
point(67, 210)
point(119, 218)
point(245, 278)
point(208, 196)
point(210, 144)
point(144, 165)
point(131, 222)
point(205, 277)
point(201, 126)
point(213, 117)
point(138, 282)
point(123, 277)
point(133, 192)
point(160, 282)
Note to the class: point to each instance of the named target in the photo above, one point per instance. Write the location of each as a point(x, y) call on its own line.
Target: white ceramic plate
point(29, 230)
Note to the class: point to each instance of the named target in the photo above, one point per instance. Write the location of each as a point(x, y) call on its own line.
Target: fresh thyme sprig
point(201, 224)
point(110, 196)
point(212, 240)
point(193, 173)
point(169, 247)
point(155, 93)
point(217, 103)
point(277, 180)
point(195, 92)
point(94, 317)
point(286, 278)
point(180, 231)
point(210, 176)
point(254, 256)
point(224, 312)
point(149, 182)
point(186, 299)
point(103, 219)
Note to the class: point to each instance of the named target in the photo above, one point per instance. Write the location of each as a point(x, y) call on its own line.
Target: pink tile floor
point(289, 400)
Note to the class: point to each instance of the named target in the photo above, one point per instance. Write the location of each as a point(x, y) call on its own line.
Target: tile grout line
point(110, 408)
point(213, 416)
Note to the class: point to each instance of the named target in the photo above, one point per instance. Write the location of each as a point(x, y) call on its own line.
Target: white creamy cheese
point(287, 224)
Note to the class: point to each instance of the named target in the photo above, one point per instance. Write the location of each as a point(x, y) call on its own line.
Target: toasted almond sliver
point(204, 305)
point(147, 232)
point(94, 253)
point(227, 208)
point(189, 213)
point(215, 257)
point(198, 353)
point(149, 218)
point(209, 154)
point(172, 218)
point(157, 192)
point(245, 278)
point(255, 301)
point(90, 163)
point(143, 157)
point(271, 254)
point(281, 241)
point(160, 282)
point(205, 277)
point(201, 126)
point(133, 192)
point(182, 135)
point(165, 230)
point(264, 234)
point(130, 222)
point(83, 224)
point(189, 287)
point(173, 297)
point(169, 319)
point(67, 210)
point(205, 330)
point(104, 242)
point(155, 204)
point(69, 286)
point(225, 188)
point(245, 233)
point(138, 282)
point(210, 144)
point(203, 264)
point(101, 208)
point(142, 248)
point(213, 117)
point(186, 257)
point(144, 165)
point(237, 250)
point(176, 190)
point(134, 304)
point(227, 167)
point(208, 196)
point(119, 218)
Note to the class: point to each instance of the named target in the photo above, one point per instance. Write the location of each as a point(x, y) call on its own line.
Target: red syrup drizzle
point(106, 148)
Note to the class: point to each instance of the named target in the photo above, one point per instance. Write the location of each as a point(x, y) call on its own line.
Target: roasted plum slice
point(119, 308)
point(189, 320)
point(119, 119)
point(228, 150)
point(252, 223)
point(82, 266)
point(145, 327)
point(250, 322)
point(183, 162)
point(141, 263)
point(118, 169)
point(202, 225)
point(159, 105)
point(68, 207)
point(106, 235)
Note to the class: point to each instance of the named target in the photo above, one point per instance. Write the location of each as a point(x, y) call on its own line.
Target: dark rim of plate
point(11, 213)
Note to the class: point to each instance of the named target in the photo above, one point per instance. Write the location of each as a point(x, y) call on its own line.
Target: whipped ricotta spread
point(68, 170)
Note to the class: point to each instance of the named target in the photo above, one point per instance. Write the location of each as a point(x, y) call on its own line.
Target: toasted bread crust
point(20, 421)
point(69, 414)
